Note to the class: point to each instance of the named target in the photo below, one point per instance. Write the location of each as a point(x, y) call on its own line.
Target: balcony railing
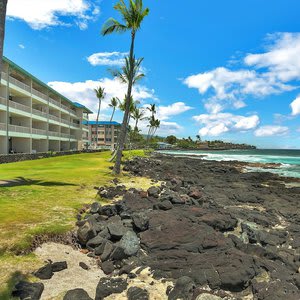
point(39, 94)
point(53, 133)
point(19, 84)
point(65, 121)
point(39, 131)
point(75, 125)
point(39, 113)
point(3, 101)
point(65, 135)
point(4, 75)
point(72, 137)
point(19, 106)
point(16, 128)
point(54, 102)
point(2, 126)
point(54, 118)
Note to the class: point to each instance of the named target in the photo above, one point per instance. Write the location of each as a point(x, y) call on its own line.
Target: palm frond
point(111, 26)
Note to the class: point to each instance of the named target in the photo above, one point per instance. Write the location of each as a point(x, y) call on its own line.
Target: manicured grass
point(43, 198)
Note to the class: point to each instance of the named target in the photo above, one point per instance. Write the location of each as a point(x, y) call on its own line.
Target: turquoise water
point(289, 159)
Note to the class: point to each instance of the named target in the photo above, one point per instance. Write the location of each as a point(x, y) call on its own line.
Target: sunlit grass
point(43, 199)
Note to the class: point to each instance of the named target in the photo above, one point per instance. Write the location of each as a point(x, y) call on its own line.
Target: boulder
point(140, 221)
point(116, 230)
point(130, 243)
point(184, 289)
point(207, 296)
point(27, 290)
point(136, 293)
point(118, 253)
point(94, 242)
point(59, 266)
point(77, 294)
point(107, 267)
point(44, 272)
point(195, 194)
point(165, 205)
point(107, 250)
point(95, 207)
point(154, 191)
point(108, 286)
point(85, 233)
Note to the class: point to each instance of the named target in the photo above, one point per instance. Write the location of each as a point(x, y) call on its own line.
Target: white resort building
point(35, 118)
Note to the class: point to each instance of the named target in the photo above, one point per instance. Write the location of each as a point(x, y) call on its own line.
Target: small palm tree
point(114, 104)
point(132, 16)
point(100, 94)
point(3, 5)
point(137, 115)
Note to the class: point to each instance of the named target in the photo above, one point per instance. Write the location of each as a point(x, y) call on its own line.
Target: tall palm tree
point(3, 5)
point(114, 104)
point(151, 126)
point(132, 16)
point(137, 115)
point(152, 109)
point(156, 126)
point(100, 94)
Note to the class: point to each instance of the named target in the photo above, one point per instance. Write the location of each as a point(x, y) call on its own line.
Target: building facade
point(107, 134)
point(35, 118)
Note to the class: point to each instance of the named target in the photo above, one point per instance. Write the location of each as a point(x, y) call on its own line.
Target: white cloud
point(271, 130)
point(21, 46)
point(107, 58)
point(174, 109)
point(216, 124)
point(295, 106)
point(272, 72)
point(83, 92)
point(40, 14)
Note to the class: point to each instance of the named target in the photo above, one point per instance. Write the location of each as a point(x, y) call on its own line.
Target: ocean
point(289, 159)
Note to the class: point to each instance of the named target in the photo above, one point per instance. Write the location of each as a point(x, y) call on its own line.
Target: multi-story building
point(107, 134)
point(36, 118)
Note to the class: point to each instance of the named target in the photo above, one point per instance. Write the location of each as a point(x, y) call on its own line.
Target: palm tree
point(152, 109)
point(132, 15)
point(100, 95)
point(137, 115)
point(114, 104)
point(156, 126)
point(3, 4)
point(151, 126)
point(198, 137)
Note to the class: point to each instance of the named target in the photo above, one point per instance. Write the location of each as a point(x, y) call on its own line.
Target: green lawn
point(43, 198)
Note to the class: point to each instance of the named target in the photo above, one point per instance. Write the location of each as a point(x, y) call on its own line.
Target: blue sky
point(225, 69)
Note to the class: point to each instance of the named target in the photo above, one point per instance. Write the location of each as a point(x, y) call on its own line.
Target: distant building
point(36, 118)
point(107, 134)
point(162, 146)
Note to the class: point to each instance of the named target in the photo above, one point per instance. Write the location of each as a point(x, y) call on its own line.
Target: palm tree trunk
point(122, 136)
point(3, 4)
point(112, 114)
point(97, 120)
point(136, 124)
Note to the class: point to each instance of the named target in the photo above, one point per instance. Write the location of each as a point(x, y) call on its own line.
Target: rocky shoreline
point(205, 229)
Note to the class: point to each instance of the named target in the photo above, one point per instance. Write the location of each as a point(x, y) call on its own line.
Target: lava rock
point(116, 230)
point(107, 267)
point(153, 191)
point(136, 293)
point(95, 207)
point(140, 221)
point(108, 247)
point(59, 266)
point(130, 243)
point(184, 289)
point(44, 272)
point(118, 253)
point(108, 286)
point(94, 242)
point(165, 205)
point(77, 294)
point(28, 291)
point(84, 266)
point(85, 233)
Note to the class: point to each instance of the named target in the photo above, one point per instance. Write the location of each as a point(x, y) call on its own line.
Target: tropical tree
point(100, 94)
point(132, 16)
point(171, 139)
point(198, 137)
point(114, 104)
point(152, 109)
point(3, 5)
point(155, 127)
point(137, 115)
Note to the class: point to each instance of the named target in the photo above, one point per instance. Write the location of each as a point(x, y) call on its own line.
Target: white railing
point(72, 137)
point(16, 128)
point(54, 118)
point(39, 131)
point(19, 84)
point(65, 121)
point(75, 125)
point(65, 135)
point(4, 76)
point(39, 113)
point(2, 126)
point(3, 101)
point(53, 133)
point(54, 102)
point(39, 94)
point(19, 106)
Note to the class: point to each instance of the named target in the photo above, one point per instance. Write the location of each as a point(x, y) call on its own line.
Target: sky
point(226, 70)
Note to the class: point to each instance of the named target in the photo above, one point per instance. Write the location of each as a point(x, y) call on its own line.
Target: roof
point(101, 123)
point(17, 67)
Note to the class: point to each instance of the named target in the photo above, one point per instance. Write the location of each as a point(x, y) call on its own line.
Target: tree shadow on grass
point(21, 181)
point(6, 293)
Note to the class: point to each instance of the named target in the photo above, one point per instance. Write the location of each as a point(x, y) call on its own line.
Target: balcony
point(3, 101)
point(2, 127)
point(75, 125)
point(39, 113)
point(54, 102)
point(19, 84)
point(65, 135)
point(39, 131)
point(4, 76)
point(15, 128)
point(53, 133)
point(54, 118)
point(39, 94)
point(65, 121)
point(19, 106)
